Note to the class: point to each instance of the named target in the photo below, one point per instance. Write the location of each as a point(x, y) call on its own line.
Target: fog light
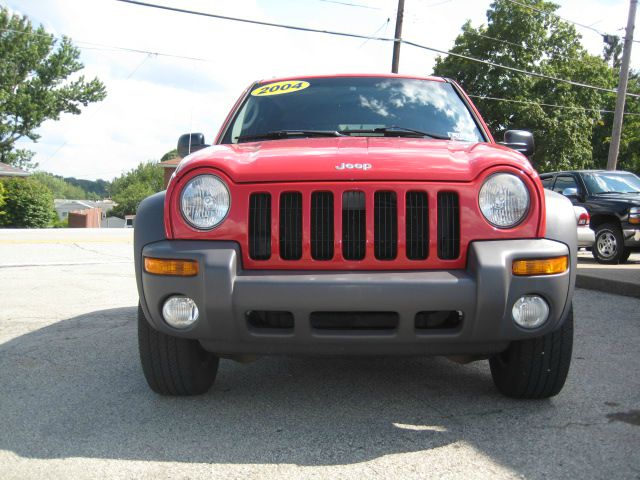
point(530, 311)
point(180, 312)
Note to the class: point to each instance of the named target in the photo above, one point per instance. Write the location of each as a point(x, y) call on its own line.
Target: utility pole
point(614, 148)
point(398, 38)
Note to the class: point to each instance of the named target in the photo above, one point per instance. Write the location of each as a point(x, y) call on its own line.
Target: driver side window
point(563, 182)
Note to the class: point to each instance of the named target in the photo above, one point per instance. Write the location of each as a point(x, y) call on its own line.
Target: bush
point(2, 199)
point(28, 204)
point(130, 189)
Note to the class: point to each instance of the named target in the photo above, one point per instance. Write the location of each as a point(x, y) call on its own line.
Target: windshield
point(356, 106)
point(614, 182)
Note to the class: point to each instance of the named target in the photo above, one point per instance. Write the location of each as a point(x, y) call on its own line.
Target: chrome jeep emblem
point(354, 166)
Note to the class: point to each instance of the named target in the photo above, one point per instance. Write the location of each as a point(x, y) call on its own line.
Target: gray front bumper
point(631, 237)
point(485, 292)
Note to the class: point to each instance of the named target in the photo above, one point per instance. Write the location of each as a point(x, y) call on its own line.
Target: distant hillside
point(73, 188)
point(99, 188)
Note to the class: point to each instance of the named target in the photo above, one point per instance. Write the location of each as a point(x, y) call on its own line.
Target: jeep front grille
point(417, 226)
point(448, 226)
point(260, 226)
point(385, 206)
point(322, 225)
point(354, 225)
point(291, 225)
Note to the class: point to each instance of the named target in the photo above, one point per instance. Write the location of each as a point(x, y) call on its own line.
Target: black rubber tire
point(625, 255)
point(535, 368)
point(174, 366)
point(609, 245)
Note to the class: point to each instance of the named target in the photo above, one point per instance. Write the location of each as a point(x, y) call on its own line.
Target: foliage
point(28, 204)
point(56, 222)
point(59, 187)
point(96, 189)
point(37, 83)
point(539, 41)
point(171, 154)
point(612, 51)
point(134, 186)
point(19, 158)
point(2, 199)
point(629, 155)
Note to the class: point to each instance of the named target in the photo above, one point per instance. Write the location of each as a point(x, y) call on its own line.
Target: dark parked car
point(612, 198)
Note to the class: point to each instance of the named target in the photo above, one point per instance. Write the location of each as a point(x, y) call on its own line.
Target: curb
point(616, 287)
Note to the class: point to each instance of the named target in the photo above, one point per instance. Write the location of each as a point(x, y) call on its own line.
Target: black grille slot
point(385, 225)
point(448, 225)
point(354, 320)
point(438, 320)
point(291, 226)
point(417, 226)
point(260, 226)
point(322, 225)
point(354, 226)
point(268, 319)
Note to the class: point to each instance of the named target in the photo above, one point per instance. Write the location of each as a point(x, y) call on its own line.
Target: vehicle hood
point(632, 199)
point(354, 159)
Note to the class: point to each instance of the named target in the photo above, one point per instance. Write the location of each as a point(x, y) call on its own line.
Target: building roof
point(9, 171)
point(172, 163)
point(73, 203)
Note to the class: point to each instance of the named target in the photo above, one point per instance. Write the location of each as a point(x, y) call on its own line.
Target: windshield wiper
point(613, 192)
point(278, 134)
point(396, 131)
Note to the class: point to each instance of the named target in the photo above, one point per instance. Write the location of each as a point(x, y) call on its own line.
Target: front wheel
point(535, 368)
point(174, 366)
point(609, 245)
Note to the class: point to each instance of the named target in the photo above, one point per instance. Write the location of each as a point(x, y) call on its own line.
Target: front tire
point(535, 368)
point(174, 366)
point(609, 245)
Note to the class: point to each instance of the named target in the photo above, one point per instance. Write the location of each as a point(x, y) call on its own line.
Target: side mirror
point(189, 143)
point(570, 192)
point(519, 140)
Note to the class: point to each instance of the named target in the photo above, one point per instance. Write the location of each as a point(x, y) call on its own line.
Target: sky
point(153, 98)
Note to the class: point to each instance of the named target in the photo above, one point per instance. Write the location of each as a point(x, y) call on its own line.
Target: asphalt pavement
point(74, 403)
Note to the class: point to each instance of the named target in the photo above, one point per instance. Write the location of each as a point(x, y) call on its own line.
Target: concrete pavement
point(74, 403)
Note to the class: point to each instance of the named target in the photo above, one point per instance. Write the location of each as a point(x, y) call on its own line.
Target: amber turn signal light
point(163, 266)
point(541, 266)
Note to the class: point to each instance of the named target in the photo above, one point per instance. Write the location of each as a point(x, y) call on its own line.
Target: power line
point(351, 4)
point(95, 112)
point(105, 47)
point(328, 32)
point(254, 22)
point(384, 25)
point(514, 69)
point(582, 25)
point(383, 39)
point(525, 102)
point(535, 9)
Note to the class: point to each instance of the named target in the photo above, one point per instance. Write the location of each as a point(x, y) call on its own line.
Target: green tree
point(134, 186)
point(96, 189)
point(28, 204)
point(59, 188)
point(170, 155)
point(537, 40)
point(629, 154)
point(35, 85)
point(2, 200)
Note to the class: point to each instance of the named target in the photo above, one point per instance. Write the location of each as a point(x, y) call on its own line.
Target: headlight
point(205, 201)
point(504, 200)
point(634, 215)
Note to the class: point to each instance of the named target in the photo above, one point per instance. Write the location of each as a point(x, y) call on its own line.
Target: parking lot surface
point(74, 403)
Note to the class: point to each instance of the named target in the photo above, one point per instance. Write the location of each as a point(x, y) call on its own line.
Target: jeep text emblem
point(354, 166)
